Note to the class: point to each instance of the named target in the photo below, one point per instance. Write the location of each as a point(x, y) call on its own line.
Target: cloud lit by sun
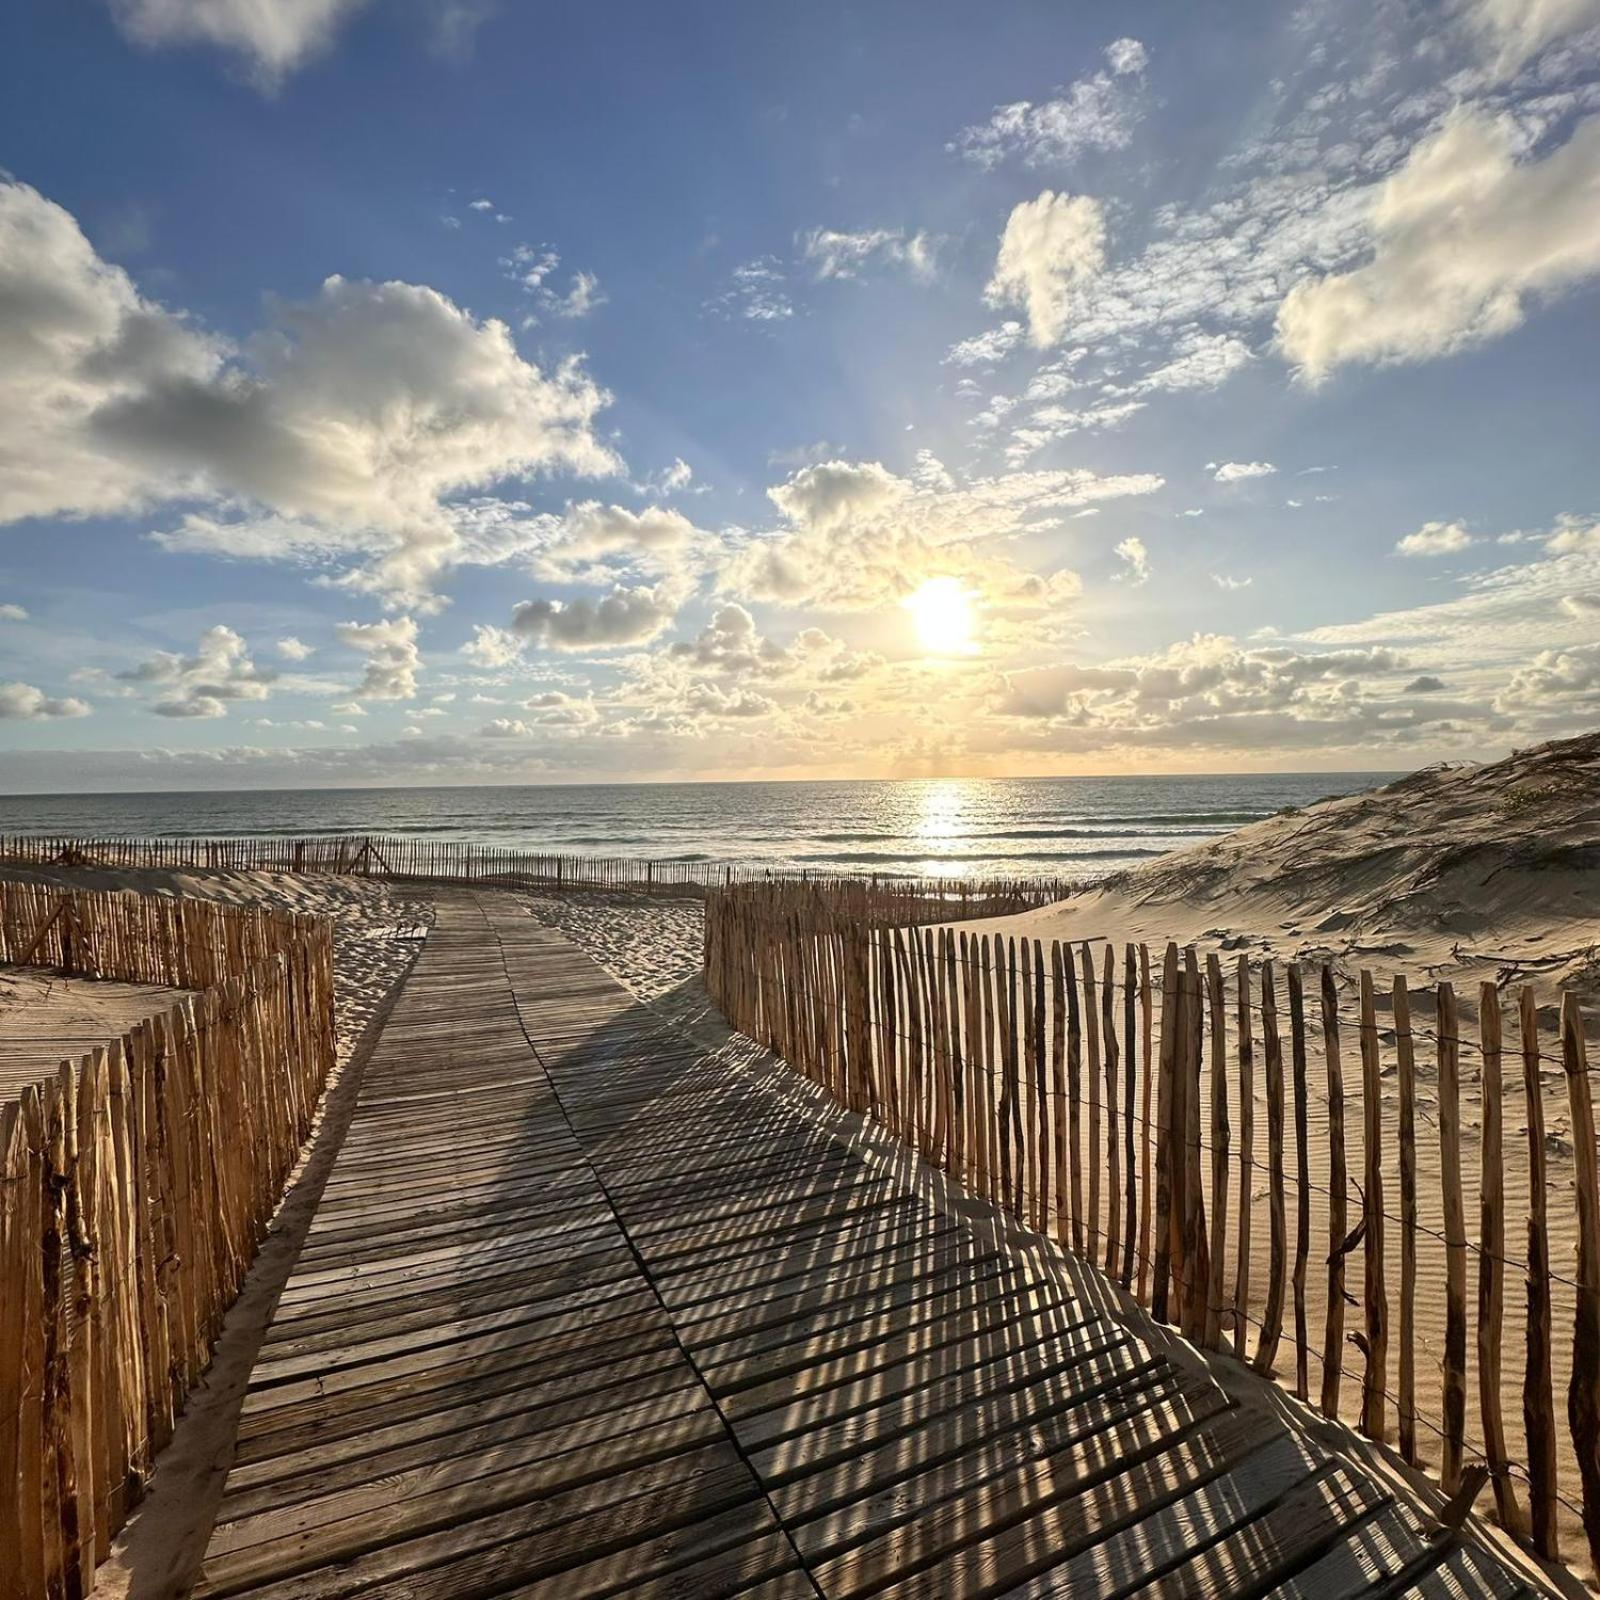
point(941, 610)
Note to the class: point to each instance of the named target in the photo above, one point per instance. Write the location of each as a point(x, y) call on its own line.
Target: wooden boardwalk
point(587, 1310)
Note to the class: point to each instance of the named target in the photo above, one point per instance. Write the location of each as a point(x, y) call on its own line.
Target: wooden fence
point(1113, 1101)
point(135, 1187)
point(375, 856)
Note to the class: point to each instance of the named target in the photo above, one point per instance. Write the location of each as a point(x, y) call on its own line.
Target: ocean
point(982, 827)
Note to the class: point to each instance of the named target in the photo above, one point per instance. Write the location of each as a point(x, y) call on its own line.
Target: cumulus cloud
point(1464, 234)
point(626, 616)
point(292, 649)
point(1052, 245)
point(24, 703)
point(1555, 679)
point(732, 645)
point(1208, 688)
point(834, 254)
point(1135, 561)
point(492, 647)
point(1098, 112)
point(339, 428)
point(1238, 471)
point(859, 537)
point(1435, 539)
point(204, 684)
point(10, 612)
point(393, 658)
point(272, 39)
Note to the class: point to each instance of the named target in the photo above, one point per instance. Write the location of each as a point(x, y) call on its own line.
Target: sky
point(466, 391)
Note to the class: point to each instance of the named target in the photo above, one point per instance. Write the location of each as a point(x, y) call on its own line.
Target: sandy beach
point(1463, 874)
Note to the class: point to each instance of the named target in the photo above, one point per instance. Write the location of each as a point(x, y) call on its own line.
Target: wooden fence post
point(1217, 1004)
point(1583, 1393)
point(1302, 1173)
point(1455, 1241)
point(1406, 1070)
point(1374, 1290)
point(1491, 1256)
point(1538, 1384)
point(1247, 1157)
point(1333, 1332)
point(1169, 1172)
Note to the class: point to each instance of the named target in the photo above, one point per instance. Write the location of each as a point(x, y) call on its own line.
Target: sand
point(46, 1019)
point(1454, 873)
point(1461, 874)
point(378, 930)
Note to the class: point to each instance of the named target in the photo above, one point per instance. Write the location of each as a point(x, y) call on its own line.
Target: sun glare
point(942, 612)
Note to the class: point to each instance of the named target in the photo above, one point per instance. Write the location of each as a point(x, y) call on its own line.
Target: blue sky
point(443, 391)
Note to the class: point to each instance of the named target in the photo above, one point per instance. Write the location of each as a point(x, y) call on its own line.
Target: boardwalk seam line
point(639, 1261)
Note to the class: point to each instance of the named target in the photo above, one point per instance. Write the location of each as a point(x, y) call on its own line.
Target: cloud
point(1223, 581)
point(590, 531)
point(271, 38)
point(1052, 245)
point(292, 649)
point(711, 700)
point(1199, 361)
point(22, 702)
point(1554, 679)
point(1512, 31)
point(985, 349)
point(1426, 684)
point(757, 291)
point(1435, 539)
point(492, 647)
point(1208, 689)
point(1099, 112)
point(1581, 605)
point(531, 267)
point(731, 645)
point(393, 658)
point(1238, 471)
point(1463, 235)
point(833, 254)
point(1574, 535)
point(505, 728)
point(338, 430)
point(859, 537)
point(204, 684)
point(10, 612)
point(1135, 561)
point(623, 617)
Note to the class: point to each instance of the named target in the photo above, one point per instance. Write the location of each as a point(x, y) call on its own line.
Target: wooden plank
point(1338, 1193)
point(1583, 1392)
point(1406, 1088)
point(1538, 1383)
point(1272, 1314)
point(1491, 1258)
point(1374, 1291)
point(1455, 1241)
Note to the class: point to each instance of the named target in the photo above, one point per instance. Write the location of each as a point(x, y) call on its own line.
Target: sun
point(942, 612)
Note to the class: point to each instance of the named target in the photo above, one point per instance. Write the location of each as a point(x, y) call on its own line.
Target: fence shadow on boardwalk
point(874, 1338)
point(1269, 1160)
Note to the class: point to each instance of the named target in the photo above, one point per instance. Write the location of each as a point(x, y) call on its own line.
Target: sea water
point(1075, 827)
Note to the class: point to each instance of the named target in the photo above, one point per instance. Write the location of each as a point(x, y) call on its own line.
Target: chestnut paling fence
point(135, 1186)
point(442, 861)
point(1278, 1161)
